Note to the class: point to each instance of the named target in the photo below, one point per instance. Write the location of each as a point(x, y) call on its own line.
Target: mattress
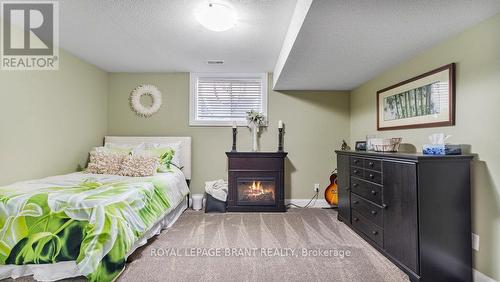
point(127, 211)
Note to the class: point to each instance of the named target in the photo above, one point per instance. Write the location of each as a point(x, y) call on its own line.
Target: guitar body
point(331, 194)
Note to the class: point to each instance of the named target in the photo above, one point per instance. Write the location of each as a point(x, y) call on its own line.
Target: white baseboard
point(481, 277)
point(319, 203)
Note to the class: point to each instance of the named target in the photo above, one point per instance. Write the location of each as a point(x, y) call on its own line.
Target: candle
point(280, 124)
point(234, 124)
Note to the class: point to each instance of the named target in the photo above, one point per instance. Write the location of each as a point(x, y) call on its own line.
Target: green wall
point(316, 123)
point(49, 120)
point(477, 54)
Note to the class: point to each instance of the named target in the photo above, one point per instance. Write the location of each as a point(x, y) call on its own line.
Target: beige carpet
point(268, 240)
point(298, 229)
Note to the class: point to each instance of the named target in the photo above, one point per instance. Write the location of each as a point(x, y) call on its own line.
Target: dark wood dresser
point(415, 209)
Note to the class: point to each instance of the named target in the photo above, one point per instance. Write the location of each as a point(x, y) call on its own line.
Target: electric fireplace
point(256, 181)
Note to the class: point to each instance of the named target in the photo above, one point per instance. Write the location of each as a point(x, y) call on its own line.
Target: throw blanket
point(218, 189)
point(93, 223)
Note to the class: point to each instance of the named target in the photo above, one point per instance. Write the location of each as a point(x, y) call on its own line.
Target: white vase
point(255, 130)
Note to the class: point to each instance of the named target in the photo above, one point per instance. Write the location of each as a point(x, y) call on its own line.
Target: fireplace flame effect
point(256, 188)
point(257, 191)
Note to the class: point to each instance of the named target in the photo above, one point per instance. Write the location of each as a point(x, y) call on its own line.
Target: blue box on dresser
point(441, 149)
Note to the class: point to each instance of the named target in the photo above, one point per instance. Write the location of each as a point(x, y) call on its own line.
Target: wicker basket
point(386, 144)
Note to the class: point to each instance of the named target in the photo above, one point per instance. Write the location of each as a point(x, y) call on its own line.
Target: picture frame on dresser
point(427, 100)
point(360, 146)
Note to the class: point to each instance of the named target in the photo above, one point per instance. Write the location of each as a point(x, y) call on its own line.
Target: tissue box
point(441, 149)
point(433, 149)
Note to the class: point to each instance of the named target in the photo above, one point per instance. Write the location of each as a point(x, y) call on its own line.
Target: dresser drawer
point(368, 210)
point(373, 164)
point(357, 162)
point(373, 176)
point(367, 190)
point(358, 172)
point(369, 229)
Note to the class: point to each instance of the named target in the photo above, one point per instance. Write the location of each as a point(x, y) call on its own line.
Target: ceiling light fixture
point(216, 16)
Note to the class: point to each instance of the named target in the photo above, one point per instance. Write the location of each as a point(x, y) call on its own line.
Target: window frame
point(193, 102)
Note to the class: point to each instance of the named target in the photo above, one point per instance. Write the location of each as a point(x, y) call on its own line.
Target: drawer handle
point(375, 232)
point(356, 161)
point(372, 176)
point(355, 184)
point(370, 163)
point(374, 212)
point(355, 202)
point(355, 219)
point(355, 171)
point(374, 192)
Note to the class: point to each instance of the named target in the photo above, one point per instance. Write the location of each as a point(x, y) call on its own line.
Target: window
point(218, 99)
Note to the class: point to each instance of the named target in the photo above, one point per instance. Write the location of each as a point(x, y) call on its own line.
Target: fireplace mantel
point(256, 181)
point(257, 154)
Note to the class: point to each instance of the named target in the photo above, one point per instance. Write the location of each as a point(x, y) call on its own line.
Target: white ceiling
point(335, 45)
point(164, 36)
point(343, 43)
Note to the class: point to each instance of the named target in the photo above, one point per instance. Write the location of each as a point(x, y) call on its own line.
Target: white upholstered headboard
point(185, 157)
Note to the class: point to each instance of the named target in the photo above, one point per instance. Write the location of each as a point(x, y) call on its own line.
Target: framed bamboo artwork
point(427, 100)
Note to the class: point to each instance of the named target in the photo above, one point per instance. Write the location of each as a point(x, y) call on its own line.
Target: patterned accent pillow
point(160, 149)
point(164, 155)
point(103, 162)
point(139, 165)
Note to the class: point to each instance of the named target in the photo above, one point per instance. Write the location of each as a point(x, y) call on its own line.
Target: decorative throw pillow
point(166, 160)
point(165, 154)
point(162, 147)
point(103, 162)
point(139, 165)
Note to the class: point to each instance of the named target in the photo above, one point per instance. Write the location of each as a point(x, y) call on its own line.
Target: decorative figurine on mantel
point(235, 132)
point(255, 121)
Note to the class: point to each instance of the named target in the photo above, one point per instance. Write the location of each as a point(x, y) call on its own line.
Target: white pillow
point(124, 147)
point(103, 149)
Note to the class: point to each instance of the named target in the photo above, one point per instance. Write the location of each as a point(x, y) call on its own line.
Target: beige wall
point(477, 54)
point(316, 123)
point(50, 119)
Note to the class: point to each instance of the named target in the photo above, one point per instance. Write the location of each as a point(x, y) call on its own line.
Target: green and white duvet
point(91, 219)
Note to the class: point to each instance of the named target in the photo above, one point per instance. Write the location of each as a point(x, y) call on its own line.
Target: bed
point(82, 224)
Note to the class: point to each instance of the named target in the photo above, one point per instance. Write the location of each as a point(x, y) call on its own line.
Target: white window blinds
point(220, 99)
